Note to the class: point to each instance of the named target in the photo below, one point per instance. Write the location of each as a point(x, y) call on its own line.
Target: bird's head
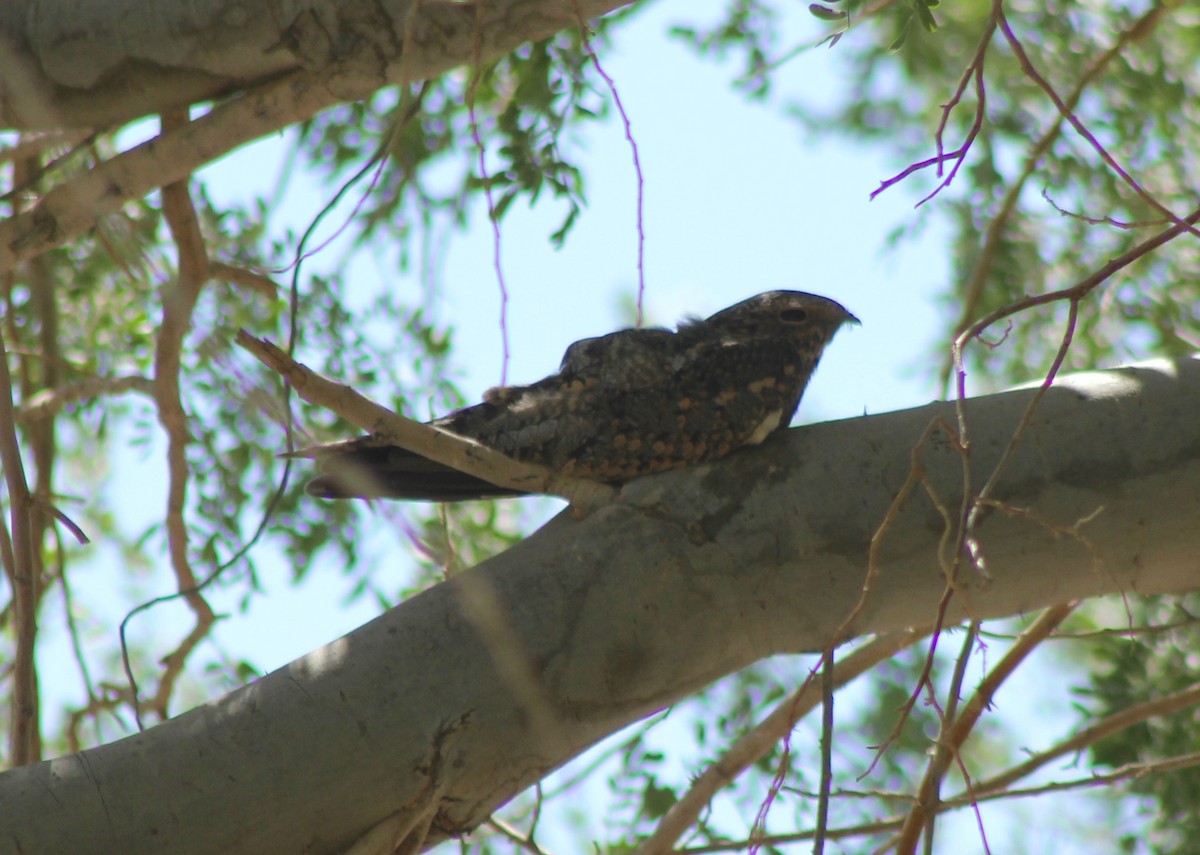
point(808, 319)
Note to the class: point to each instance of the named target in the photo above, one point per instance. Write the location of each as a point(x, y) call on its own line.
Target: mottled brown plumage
point(622, 405)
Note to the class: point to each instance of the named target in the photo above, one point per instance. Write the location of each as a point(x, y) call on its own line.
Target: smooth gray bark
point(84, 63)
point(454, 701)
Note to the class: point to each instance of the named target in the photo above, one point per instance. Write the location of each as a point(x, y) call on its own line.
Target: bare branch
point(49, 402)
point(179, 300)
point(973, 72)
point(1067, 112)
point(1090, 735)
point(20, 567)
point(1085, 285)
point(30, 145)
point(973, 290)
point(251, 280)
point(953, 738)
point(762, 737)
point(637, 162)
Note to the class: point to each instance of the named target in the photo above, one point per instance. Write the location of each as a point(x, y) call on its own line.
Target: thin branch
point(973, 290)
point(1131, 770)
point(19, 564)
point(441, 446)
point(179, 301)
point(980, 501)
point(1084, 286)
point(110, 702)
point(486, 181)
point(1102, 221)
point(1069, 114)
point(964, 723)
point(50, 402)
point(758, 741)
point(827, 720)
point(973, 72)
point(916, 477)
point(944, 752)
point(1107, 779)
point(31, 145)
point(522, 841)
point(973, 504)
point(250, 280)
point(68, 607)
point(637, 163)
point(1105, 727)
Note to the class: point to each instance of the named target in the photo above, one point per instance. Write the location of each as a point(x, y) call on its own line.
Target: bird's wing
point(624, 359)
point(720, 395)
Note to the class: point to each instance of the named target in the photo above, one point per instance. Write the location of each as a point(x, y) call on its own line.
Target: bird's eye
point(793, 316)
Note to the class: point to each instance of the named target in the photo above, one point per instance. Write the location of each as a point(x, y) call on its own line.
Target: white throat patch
point(765, 427)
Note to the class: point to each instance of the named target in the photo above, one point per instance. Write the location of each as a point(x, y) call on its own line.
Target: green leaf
point(922, 8)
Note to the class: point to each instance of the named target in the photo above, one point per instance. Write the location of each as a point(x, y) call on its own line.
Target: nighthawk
point(622, 405)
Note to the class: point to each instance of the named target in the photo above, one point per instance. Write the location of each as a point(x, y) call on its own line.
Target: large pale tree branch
point(413, 728)
point(66, 63)
point(343, 58)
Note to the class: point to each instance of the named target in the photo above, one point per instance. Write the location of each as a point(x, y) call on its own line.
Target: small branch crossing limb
point(438, 445)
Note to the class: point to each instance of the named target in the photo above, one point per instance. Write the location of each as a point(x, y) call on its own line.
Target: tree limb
point(687, 576)
point(443, 38)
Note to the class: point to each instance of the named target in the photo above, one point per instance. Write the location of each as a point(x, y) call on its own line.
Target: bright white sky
point(736, 202)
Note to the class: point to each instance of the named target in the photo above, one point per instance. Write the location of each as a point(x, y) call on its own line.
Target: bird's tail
point(366, 469)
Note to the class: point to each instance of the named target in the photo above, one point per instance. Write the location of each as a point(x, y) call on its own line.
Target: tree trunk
point(429, 717)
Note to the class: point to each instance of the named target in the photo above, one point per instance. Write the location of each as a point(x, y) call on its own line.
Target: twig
point(637, 163)
point(1124, 225)
point(19, 565)
point(1083, 287)
point(973, 290)
point(763, 736)
point(916, 477)
point(49, 402)
point(1126, 718)
point(251, 280)
point(1131, 770)
point(1069, 114)
point(944, 752)
point(1121, 773)
point(523, 841)
point(76, 642)
point(30, 145)
point(441, 446)
point(954, 737)
point(972, 505)
point(827, 721)
point(486, 181)
point(973, 71)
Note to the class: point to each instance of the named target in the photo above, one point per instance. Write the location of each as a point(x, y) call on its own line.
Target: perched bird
point(622, 405)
